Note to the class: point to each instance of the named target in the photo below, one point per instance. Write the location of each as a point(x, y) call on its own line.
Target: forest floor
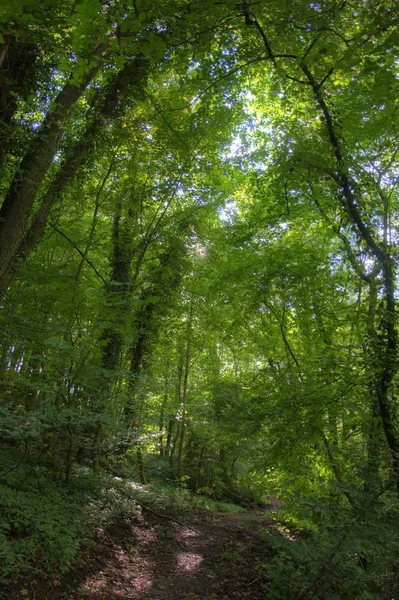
point(211, 557)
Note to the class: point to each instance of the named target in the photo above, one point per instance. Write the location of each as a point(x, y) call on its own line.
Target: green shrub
point(39, 529)
point(351, 555)
point(218, 506)
point(112, 501)
point(163, 497)
point(43, 524)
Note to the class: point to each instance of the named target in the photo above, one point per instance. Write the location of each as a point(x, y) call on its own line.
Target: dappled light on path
point(189, 562)
point(217, 557)
point(185, 533)
point(127, 577)
point(145, 536)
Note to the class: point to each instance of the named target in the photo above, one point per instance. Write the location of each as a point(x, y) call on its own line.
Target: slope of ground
point(214, 557)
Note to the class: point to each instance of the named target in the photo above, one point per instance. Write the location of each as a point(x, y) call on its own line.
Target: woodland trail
point(159, 559)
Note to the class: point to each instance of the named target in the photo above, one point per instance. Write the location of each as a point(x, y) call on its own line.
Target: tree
point(198, 257)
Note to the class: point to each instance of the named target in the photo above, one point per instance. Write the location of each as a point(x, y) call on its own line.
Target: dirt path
point(155, 558)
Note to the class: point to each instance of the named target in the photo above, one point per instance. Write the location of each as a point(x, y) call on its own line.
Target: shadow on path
point(154, 558)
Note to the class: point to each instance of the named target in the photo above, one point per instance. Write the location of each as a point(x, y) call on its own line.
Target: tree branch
point(64, 235)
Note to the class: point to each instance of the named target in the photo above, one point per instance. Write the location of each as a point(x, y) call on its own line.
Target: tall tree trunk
point(18, 203)
point(118, 300)
point(18, 61)
point(178, 394)
point(183, 407)
point(169, 436)
point(76, 155)
point(164, 406)
point(385, 358)
point(118, 291)
point(385, 363)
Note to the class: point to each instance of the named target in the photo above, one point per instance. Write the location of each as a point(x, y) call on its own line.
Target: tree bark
point(184, 394)
point(18, 203)
point(132, 75)
point(17, 79)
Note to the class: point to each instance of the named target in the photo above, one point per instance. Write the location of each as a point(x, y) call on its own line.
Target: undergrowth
point(44, 524)
point(339, 553)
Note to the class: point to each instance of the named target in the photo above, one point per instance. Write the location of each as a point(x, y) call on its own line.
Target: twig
point(254, 581)
point(4, 473)
point(169, 518)
point(64, 235)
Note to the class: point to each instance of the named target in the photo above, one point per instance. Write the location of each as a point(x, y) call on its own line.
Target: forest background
point(198, 250)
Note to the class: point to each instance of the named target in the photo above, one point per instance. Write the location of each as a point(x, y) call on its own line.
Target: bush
point(44, 524)
point(350, 555)
point(162, 497)
point(39, 530)
point(110, 500)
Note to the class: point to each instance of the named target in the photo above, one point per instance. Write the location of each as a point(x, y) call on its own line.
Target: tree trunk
point(18, 203)
point(169, 436)
point(183, 406)
point(385, 363)
point(75, 157)
point(162, 412)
